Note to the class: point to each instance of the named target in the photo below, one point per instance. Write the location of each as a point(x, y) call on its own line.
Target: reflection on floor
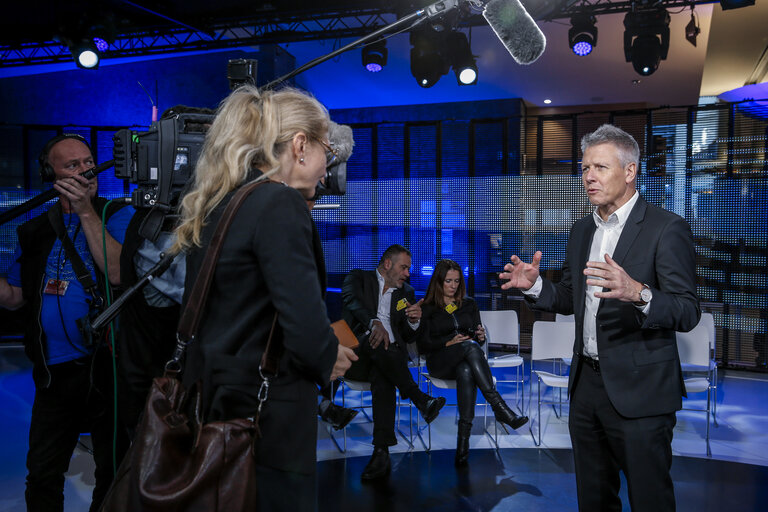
point(518, 477)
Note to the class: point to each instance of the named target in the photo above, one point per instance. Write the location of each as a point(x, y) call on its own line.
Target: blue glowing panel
point(391, 148)
point(360, 167)
point(422, 151)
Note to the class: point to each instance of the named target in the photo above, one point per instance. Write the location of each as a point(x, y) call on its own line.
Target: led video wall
point(478, 189)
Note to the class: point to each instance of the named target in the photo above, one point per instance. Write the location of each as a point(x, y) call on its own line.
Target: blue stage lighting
point(582, 48)
point(375, 56)
point(582, 36)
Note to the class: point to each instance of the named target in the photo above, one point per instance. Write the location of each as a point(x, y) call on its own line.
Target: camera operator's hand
point(78, 192)
point(378, 335)
point(480, 333)
point(344, 358)
point(457, 339)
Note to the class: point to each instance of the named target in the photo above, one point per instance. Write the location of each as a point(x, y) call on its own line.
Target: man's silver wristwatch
point(645, 295)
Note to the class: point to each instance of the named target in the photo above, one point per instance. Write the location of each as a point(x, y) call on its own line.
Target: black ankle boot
point(503, 413)
point(462, 452)
point(462, 444)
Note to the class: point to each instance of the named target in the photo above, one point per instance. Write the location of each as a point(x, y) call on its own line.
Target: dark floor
point(521, 477)
point(523, 480)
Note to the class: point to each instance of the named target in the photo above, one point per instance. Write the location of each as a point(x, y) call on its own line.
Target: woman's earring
point(301, 160)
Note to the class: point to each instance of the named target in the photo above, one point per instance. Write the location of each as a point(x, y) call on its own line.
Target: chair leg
point(709, 394)
point(714, 397)
point(538, 415)
point(407, 439)
point(522, 389)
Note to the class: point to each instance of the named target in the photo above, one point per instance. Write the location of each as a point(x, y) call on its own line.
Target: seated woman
point(452, 348)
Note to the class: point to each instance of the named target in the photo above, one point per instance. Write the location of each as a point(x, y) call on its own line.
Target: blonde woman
point(271, 261)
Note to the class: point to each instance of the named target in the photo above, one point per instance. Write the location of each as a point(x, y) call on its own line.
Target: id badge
point(56, 287)
point(450, 308)
point(401, 304)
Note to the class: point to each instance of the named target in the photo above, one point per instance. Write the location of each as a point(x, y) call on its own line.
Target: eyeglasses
point(331, 155)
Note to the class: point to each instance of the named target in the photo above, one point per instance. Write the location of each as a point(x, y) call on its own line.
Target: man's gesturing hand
point(614, 278)
point(520, 274)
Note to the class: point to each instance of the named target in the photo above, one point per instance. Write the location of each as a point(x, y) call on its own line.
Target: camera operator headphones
point(46, 170)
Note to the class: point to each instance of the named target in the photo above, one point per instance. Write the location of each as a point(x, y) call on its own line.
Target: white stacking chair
point(552, 341)
point(565, 318)
point(693, 348)
point(363, 387)
point(707, 321)
point(503, 328)
point(451, 384)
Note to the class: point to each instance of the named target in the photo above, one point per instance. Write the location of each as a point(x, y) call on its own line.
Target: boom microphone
point(340, 137)
point(515, 29)
point(335, 181)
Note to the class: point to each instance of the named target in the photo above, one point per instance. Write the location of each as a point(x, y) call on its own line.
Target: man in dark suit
point(381, 309)
point(629, 278)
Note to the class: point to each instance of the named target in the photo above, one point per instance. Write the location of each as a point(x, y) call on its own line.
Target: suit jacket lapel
point(372, 291)
point(630, 231)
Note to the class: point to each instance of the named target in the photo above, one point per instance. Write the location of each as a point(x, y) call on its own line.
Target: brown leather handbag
point(177, 462)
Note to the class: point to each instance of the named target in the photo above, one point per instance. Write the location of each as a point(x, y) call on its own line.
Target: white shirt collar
point(382, 283)
point(619, 217)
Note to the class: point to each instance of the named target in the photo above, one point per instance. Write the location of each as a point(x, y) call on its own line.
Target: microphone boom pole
point(431, 11)
point(46, 196)
point(112, 311)
point(508, 19)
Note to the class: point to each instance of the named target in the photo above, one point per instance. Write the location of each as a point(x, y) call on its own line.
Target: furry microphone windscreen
point(515, 29)
point(340, 136)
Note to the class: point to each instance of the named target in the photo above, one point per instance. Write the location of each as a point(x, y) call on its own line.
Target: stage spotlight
point(375, 56)
point(582, 36)
point(463, 61)
point(427, 61)
point(646, 38)
point(692, 29)
point(85, 54)
point(101, 44)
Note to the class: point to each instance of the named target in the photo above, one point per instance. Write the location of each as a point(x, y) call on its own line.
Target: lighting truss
point(269, 28)
point(224, 34)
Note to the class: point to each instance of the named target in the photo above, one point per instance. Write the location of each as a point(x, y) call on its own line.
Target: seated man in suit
point(381, 309)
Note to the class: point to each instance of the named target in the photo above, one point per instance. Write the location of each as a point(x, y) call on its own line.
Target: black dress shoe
point(379, 465)
point(338, 417)
point(431, 408)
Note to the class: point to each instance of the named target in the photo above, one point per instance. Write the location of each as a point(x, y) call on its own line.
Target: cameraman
point(149, 319)
point(72, 372)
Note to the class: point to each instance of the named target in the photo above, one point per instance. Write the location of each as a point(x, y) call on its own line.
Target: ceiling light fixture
point(85, 54)
point(646, 38)
point(582, 36)
point(463, 62)
point(101, 44)
point(692, 29)
point(427, 61)
point(375, 56)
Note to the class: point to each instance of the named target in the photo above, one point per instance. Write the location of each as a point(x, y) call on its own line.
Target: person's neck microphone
point(516, 30)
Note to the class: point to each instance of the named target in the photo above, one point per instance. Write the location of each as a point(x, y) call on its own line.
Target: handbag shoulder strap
point(190, 317)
